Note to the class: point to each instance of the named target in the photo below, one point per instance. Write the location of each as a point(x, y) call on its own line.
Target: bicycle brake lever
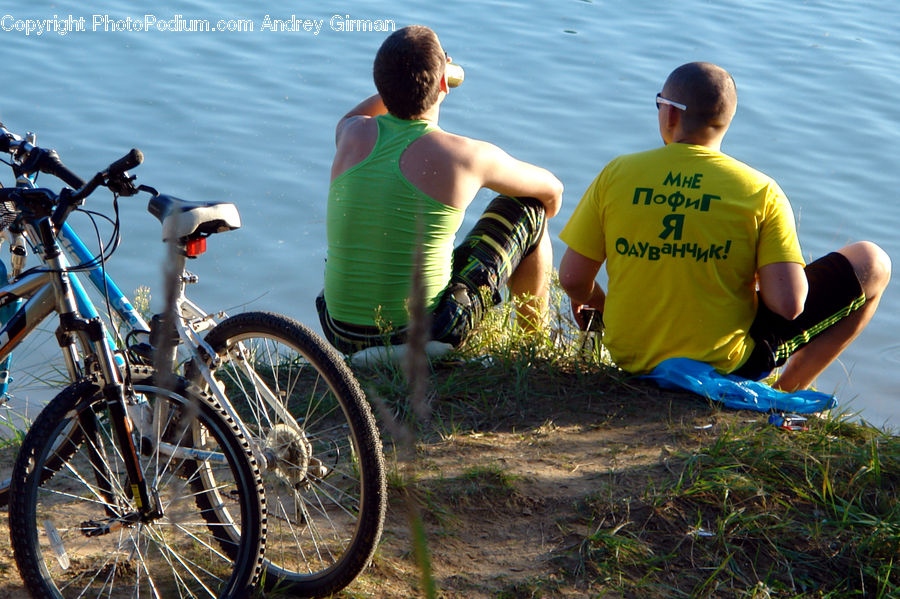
point(32, 162)
point(122, 185)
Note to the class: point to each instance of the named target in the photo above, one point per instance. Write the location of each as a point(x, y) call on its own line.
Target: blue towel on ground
point(733, 391)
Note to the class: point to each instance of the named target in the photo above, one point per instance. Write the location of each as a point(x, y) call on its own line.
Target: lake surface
point(248, 116)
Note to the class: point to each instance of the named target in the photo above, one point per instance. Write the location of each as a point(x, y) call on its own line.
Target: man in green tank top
point(400, 185)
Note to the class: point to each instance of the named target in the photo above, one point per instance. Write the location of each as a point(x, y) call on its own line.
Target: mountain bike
point(118, 477)
point(307, 419)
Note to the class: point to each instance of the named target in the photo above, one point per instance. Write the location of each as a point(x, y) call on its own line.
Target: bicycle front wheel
point(79, 528)
point(33, 375)
point(324, 472)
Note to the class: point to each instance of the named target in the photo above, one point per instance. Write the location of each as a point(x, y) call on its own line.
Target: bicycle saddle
point(181, 218)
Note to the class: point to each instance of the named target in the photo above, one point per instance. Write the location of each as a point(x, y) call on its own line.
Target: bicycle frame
point(36, 295)
point(203, 358)
point(69, 241)
point(50, 290)
point(189, 322)
point(37, 289)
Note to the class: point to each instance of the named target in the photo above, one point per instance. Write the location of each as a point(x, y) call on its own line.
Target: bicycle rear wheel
point(78, 530)
point(324, 476)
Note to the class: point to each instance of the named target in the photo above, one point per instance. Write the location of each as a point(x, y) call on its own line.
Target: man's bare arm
point(504, 174)
point(355, 134)
point(370, 107)
point(783, 288)
point(577, 274)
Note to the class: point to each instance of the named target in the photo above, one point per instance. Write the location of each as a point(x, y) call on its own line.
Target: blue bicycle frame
point(73, 246)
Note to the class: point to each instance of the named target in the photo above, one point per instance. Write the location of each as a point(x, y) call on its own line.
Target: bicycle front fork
point(148, 508)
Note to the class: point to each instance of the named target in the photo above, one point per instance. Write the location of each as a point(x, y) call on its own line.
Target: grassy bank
point(535, 471)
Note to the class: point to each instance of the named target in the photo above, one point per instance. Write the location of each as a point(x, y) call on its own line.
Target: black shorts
point(834, 292)
point(508, 230)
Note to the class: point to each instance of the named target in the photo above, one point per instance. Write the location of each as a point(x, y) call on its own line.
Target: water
point(249, 117)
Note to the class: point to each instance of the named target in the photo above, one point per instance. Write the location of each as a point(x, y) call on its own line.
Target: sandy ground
point(495, 533)
point(505, 539)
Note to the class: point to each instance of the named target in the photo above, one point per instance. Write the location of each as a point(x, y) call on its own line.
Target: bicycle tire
point(76, 535)
point(324, 477)
point(35, 377)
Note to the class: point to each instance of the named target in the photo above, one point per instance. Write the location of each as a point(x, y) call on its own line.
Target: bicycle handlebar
point(13, 144)
point(49, 162)
point(128, 161)
point(115, 177)
point(36, 159)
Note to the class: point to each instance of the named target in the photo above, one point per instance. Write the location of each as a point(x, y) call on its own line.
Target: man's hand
point(587, 318)
point(576, 277)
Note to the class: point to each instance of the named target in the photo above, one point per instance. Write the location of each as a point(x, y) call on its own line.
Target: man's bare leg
point(873, 268)
point(532, 279)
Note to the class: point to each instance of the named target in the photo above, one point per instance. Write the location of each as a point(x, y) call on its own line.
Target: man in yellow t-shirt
point(703, 257)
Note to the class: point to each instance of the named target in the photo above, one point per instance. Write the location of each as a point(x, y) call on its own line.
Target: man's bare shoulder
point(462, 149)
point(354, 138)
point(356, 129)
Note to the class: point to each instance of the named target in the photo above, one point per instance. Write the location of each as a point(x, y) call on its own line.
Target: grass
point(738, 510)
point(479, 484)
point(743, 510)
point(796, 513)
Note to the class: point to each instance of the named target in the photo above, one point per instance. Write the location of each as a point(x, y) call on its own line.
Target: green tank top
point(374, 220)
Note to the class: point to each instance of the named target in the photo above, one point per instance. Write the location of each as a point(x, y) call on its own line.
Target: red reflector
point(195, 247)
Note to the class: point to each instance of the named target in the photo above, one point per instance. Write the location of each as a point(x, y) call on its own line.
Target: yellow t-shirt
point(683, 230)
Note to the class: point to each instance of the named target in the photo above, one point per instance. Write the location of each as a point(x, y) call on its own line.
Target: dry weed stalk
point(416, 370)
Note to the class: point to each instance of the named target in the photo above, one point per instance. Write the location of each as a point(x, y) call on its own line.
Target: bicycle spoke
point(324, 472)
point(104, 545)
